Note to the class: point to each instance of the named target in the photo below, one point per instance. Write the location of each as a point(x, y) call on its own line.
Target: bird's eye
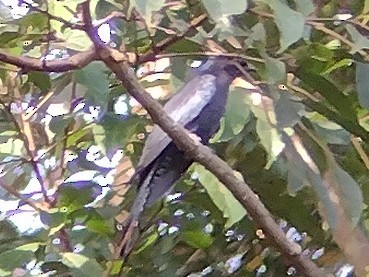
point(196, 64)
point(282, 87)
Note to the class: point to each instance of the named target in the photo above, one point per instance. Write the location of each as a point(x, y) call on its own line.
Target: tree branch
point(76, 61)
point(78, 26)
point(28, 141)
point(11, 190)
point(165, 43)
point(113, 15)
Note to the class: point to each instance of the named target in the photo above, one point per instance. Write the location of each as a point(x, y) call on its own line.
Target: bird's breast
point(206, 124)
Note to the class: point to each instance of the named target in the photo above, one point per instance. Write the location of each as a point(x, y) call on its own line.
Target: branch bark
point(76, 61)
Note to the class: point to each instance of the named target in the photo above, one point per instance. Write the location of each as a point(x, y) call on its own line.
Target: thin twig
point(20, 161)
point(39, 105)
point(320, 27)
point(65, 240)
point(68, 24)
point(76, 61)
point(165, 43)
point(360, 150)
point(27, 138)
point(303, 92)
point(210, 54)
point(10, 189)
point(113, 15)
point(67, 128)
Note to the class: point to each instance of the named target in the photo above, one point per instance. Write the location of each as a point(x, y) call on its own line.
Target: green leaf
point(366, 7)
point(98, 132)
point(95, 78)
point(268, 133)
point(235, 117)
point(340, 64)
point(100, 226)
point(116, 4)
point(218, 9)
point(360, 41)
point(147, 7)
point(59, 268)
point(258, 34)
point(115, 267)
point(40, 79)
point(119, 131)
point(333, 186)
point(197, 239)
point(333, 44)
point(270, 139)
point(7, 231)
point(221, 196)
point(330, 91)
point(362, 83)
point(284, 16)
point(75, 195)
point(331, 132)
point(148, 241)
point(35, 23)
point(77, 40)
point(288, 111)
point(78, 137)
point(29, 247)
point(54, 218)
point(63, 9)
point(5, 13)
point(83, 265)
point(301, 174)
point(59, 123)
point(350, 194)
point(74, 260)
point(55, 230)
point(275, 70)
point(15, 258)
point(12, 147)
point(306, 7)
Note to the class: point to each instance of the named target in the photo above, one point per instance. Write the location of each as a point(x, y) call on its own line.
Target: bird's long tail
point(132, 223)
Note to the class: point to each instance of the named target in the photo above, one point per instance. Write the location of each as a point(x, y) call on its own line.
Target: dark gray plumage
point(198, 106)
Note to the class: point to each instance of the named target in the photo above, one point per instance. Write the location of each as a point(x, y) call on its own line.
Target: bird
point(199, 106)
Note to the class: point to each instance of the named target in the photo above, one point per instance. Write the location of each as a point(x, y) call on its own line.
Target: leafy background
point(299, 136)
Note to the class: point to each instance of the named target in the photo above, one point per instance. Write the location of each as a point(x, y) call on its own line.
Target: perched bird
point(198, 106)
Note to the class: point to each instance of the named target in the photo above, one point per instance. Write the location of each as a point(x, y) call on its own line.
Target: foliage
point(297, 133)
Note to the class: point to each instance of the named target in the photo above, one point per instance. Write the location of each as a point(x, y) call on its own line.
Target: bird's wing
point(183, 107)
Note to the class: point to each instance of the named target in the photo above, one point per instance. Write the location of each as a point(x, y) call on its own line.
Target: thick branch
point(76, 61)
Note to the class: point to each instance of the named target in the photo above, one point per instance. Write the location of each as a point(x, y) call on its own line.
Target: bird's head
point(216, 65)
